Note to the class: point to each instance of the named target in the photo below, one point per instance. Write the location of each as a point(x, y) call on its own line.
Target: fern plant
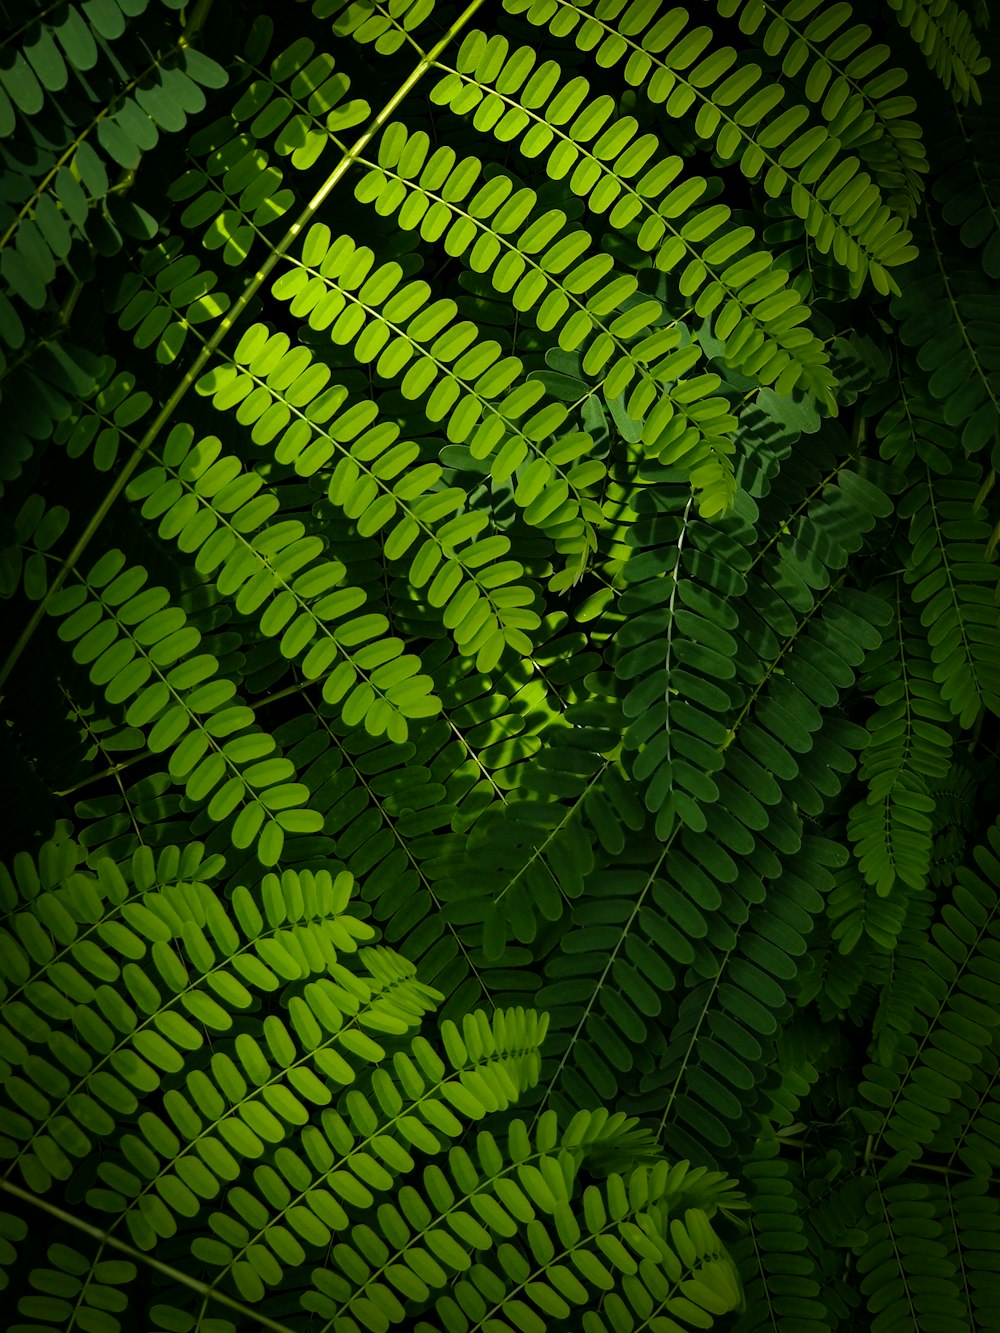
point(499, 519)
point(338, 1101)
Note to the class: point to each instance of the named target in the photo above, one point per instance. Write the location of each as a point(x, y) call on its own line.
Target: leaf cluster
point(498, 538)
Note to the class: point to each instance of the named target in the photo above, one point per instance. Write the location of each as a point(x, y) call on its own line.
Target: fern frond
point(958, 1014)
point(275, 571)
point(843, 75)
point(23, 563)
point(417, 342)
point(527, 859)
point(372, 485)
point(555, 606)
point(779, 1274)
point(970, 1221)
point(942, 30)
point(37, 385)
point(341, 1107)
point(168, 296)
point(388, 822)
point(142, 652)
point(371, 27)
point(705, 1086)
point(112, 1058)
point(679, 688)
point(909, 751)
point(836, 981)
point(939, 314)
point(912, 426)
point(972, 1131)
point(841, 207)
point(64, 195)
point(759, 321)
point(432, 194)
point(854, 909)
point(505, 227)
point(477, 1193)
point(954, 806)
point(906, 1272)
point(952, 583)
point(968, 189)
point(359, 1152)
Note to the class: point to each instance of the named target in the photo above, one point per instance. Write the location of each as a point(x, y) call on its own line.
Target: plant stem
point(108, 772)
point(195, 22)
point(247, 1312)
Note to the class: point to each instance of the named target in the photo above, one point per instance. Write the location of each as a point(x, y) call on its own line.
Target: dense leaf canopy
point(501, 666)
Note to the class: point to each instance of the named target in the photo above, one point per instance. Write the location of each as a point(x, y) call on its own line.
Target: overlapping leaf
point(841, 207)
point(142, 652)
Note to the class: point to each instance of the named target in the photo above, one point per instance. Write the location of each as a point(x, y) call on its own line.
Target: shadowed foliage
point(501, 666)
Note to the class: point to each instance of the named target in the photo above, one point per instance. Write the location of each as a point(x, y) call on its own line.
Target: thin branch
point(248, 1314)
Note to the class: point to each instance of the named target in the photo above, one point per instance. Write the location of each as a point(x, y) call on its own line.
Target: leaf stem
point(247, 1312)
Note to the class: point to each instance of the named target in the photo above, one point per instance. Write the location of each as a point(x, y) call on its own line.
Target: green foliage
point(498, 537)
point(337, 1096)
